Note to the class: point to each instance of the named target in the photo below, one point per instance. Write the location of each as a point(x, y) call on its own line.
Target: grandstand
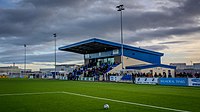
point(104, 57)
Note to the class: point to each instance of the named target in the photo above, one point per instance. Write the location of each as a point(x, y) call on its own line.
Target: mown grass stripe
point(125, 102)
point(94, 97)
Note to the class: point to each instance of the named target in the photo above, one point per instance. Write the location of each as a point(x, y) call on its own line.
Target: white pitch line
point(21, 94)
point(94, 97)
point(119, 101)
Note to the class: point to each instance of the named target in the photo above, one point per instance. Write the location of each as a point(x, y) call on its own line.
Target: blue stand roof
point(95, 45)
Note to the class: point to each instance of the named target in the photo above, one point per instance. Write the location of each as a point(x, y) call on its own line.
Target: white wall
point(127, 62)
point(130, 61)
point(159, 70)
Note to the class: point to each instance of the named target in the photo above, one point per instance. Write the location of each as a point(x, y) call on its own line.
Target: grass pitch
point(180, 98)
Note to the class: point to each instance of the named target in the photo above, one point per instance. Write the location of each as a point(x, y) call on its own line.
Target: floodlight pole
point(12, 69)
point(55, 52)
point(120, 8)
point(24, 59)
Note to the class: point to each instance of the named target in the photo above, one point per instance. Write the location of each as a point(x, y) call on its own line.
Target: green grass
point(183, 98)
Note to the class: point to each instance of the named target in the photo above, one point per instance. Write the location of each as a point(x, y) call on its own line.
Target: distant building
point(25, 72)
point(10, 70)
point(47, 70)
point(67, 68)
point(179, 65)
point(61, 69)
point(196, 66)
point(15, 71)
point(182, 68)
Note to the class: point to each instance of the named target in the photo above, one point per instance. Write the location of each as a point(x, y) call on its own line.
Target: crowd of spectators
point(143, 75)
point(90, 71)
point(188, 75)
point(97, 71)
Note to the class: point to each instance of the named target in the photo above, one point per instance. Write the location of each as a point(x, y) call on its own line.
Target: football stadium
point(141, 84)
point(103, 56)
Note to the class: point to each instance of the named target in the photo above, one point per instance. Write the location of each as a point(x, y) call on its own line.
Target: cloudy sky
point(168, 26)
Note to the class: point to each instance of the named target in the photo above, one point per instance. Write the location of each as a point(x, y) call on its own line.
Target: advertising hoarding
point(193, 81)
point(143, 80)
point(173, 81)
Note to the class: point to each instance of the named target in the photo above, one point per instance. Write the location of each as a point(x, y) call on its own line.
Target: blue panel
point(150, 66)
point(173, 81)
point(143, 56)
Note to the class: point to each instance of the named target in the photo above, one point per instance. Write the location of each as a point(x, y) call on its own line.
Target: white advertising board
point(143, 80)
point(193, 81)
point(43, 76)
point(31, 77)
point(112, 78)
point(115, 78)
point(50, 77)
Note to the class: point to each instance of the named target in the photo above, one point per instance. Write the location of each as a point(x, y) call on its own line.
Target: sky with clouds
point(168, 26)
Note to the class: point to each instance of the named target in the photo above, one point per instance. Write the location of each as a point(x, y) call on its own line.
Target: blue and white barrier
point(63, 78)
point(193, 81)
point(173, 81)
point(143, 80)
point(86, 78)
point(169, 81)
point(115, 78)
point(31, 77)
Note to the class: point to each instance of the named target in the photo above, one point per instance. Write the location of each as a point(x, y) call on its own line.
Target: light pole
point(55, 52)
point(24, 59)
point(120, 8)
point(12, 70)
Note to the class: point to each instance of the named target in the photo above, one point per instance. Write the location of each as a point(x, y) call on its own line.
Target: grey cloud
point(38, 24)
point(162, 33)
point(173, 42)
point(34, 22)
point(191, 7)
point(184, 14)
point(156, 47)
point(25, 25)
point(55, 3)
point(11, 52)
point(61, 57)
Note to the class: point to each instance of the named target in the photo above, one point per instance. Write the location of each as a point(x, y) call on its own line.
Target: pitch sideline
point(94, 97)
point(21, 94)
